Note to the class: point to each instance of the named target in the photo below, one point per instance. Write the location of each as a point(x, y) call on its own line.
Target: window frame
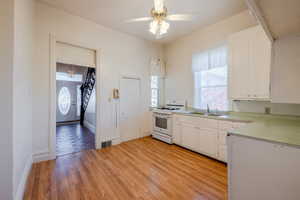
point(157, 88)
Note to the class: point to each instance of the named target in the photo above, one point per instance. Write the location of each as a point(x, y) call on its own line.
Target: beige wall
point(22, 89)
point(16, 41)
point(121, 54)
point(179, 81)
point(6, 66)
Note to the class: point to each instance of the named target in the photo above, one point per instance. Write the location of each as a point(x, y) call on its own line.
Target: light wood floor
point(140, 169)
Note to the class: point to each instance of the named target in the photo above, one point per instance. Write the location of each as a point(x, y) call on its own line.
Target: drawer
point(222, 137)
point(189, 120)
point(199, 122)
point(238, 124)
point(225, 125)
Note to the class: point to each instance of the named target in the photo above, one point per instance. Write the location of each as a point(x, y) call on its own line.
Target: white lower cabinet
point(176, 131)
point(206, 136)
point(190, 137)
point(208, 142)
point(262, 170)
point(199, 139)
point(222, 153)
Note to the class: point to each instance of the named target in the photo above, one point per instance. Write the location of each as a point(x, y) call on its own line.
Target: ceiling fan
point(159, 17)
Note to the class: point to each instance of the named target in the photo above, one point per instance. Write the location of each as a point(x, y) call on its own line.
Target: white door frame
point(52, 103)
point(140, 103)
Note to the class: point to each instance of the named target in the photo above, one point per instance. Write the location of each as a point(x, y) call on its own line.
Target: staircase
point(86, 91)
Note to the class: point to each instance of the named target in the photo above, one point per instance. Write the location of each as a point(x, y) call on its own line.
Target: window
point(210, 76)
point(64, 100)
point(154, 91)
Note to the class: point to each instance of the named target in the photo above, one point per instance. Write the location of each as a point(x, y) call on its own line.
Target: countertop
point(273, 128)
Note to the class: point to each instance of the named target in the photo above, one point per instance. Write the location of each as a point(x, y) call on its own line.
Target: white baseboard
point(22, 184)
point(147, 133)
point(43, 156)
point(90, 126)
point(116, 141)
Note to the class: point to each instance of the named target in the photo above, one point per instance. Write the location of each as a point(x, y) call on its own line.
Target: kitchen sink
point(206, 114)
point(214, 114)
point(197, 113)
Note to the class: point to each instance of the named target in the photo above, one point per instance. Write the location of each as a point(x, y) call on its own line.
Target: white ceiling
point(114, 13)
point(282, 16)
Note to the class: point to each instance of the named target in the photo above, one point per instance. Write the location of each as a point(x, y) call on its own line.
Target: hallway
point(73, 138)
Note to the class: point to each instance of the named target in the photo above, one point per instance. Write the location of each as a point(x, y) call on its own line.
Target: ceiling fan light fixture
point(154, 26)
point(159, 19)
point(164, 27)
point(159, 28)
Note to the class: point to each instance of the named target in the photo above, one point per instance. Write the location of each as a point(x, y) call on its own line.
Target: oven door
point(162, 123)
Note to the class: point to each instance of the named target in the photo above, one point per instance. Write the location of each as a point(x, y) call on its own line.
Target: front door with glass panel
point(68, 101)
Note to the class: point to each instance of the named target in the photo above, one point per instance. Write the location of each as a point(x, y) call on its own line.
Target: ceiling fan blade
point(141, 19)
point(180, 17)
point(159, 5)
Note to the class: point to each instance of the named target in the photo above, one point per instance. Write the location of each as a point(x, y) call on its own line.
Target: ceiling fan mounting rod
point(159, 16)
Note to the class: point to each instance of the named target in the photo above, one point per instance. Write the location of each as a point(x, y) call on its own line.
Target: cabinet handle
point(196, 127)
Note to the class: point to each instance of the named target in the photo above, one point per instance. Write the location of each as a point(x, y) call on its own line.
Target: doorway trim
point(134, 77)
point(52, 103)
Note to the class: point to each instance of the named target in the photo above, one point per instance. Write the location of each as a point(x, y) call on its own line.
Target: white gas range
point(162, 122)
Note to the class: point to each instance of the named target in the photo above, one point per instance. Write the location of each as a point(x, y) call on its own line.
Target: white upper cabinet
point(286, 70)
point(249, 64)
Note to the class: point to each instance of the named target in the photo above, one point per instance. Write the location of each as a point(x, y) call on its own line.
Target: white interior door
point(129, 108)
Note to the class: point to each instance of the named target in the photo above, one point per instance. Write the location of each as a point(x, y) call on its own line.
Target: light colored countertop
point(273, 128)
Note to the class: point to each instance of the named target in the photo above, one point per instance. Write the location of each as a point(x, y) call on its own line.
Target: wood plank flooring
point(73, 138)
point(141, 169)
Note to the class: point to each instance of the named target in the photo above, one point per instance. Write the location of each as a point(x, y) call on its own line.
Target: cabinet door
point(222, 153)
point(286, 70)
point(190, 137)
point(262, 170)
point(239, 65)
point(222, 137)
point(260, 64)
point(249, 64)
point(176, 132)
point(208, 141)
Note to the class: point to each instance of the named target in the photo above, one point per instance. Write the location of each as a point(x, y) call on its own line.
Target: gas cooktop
point(168, 108)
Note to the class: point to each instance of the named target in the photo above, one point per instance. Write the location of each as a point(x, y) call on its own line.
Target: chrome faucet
point(207, 108)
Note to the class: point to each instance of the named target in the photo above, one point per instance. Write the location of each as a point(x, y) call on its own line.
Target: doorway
point(75, 108)
point(130, 108)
